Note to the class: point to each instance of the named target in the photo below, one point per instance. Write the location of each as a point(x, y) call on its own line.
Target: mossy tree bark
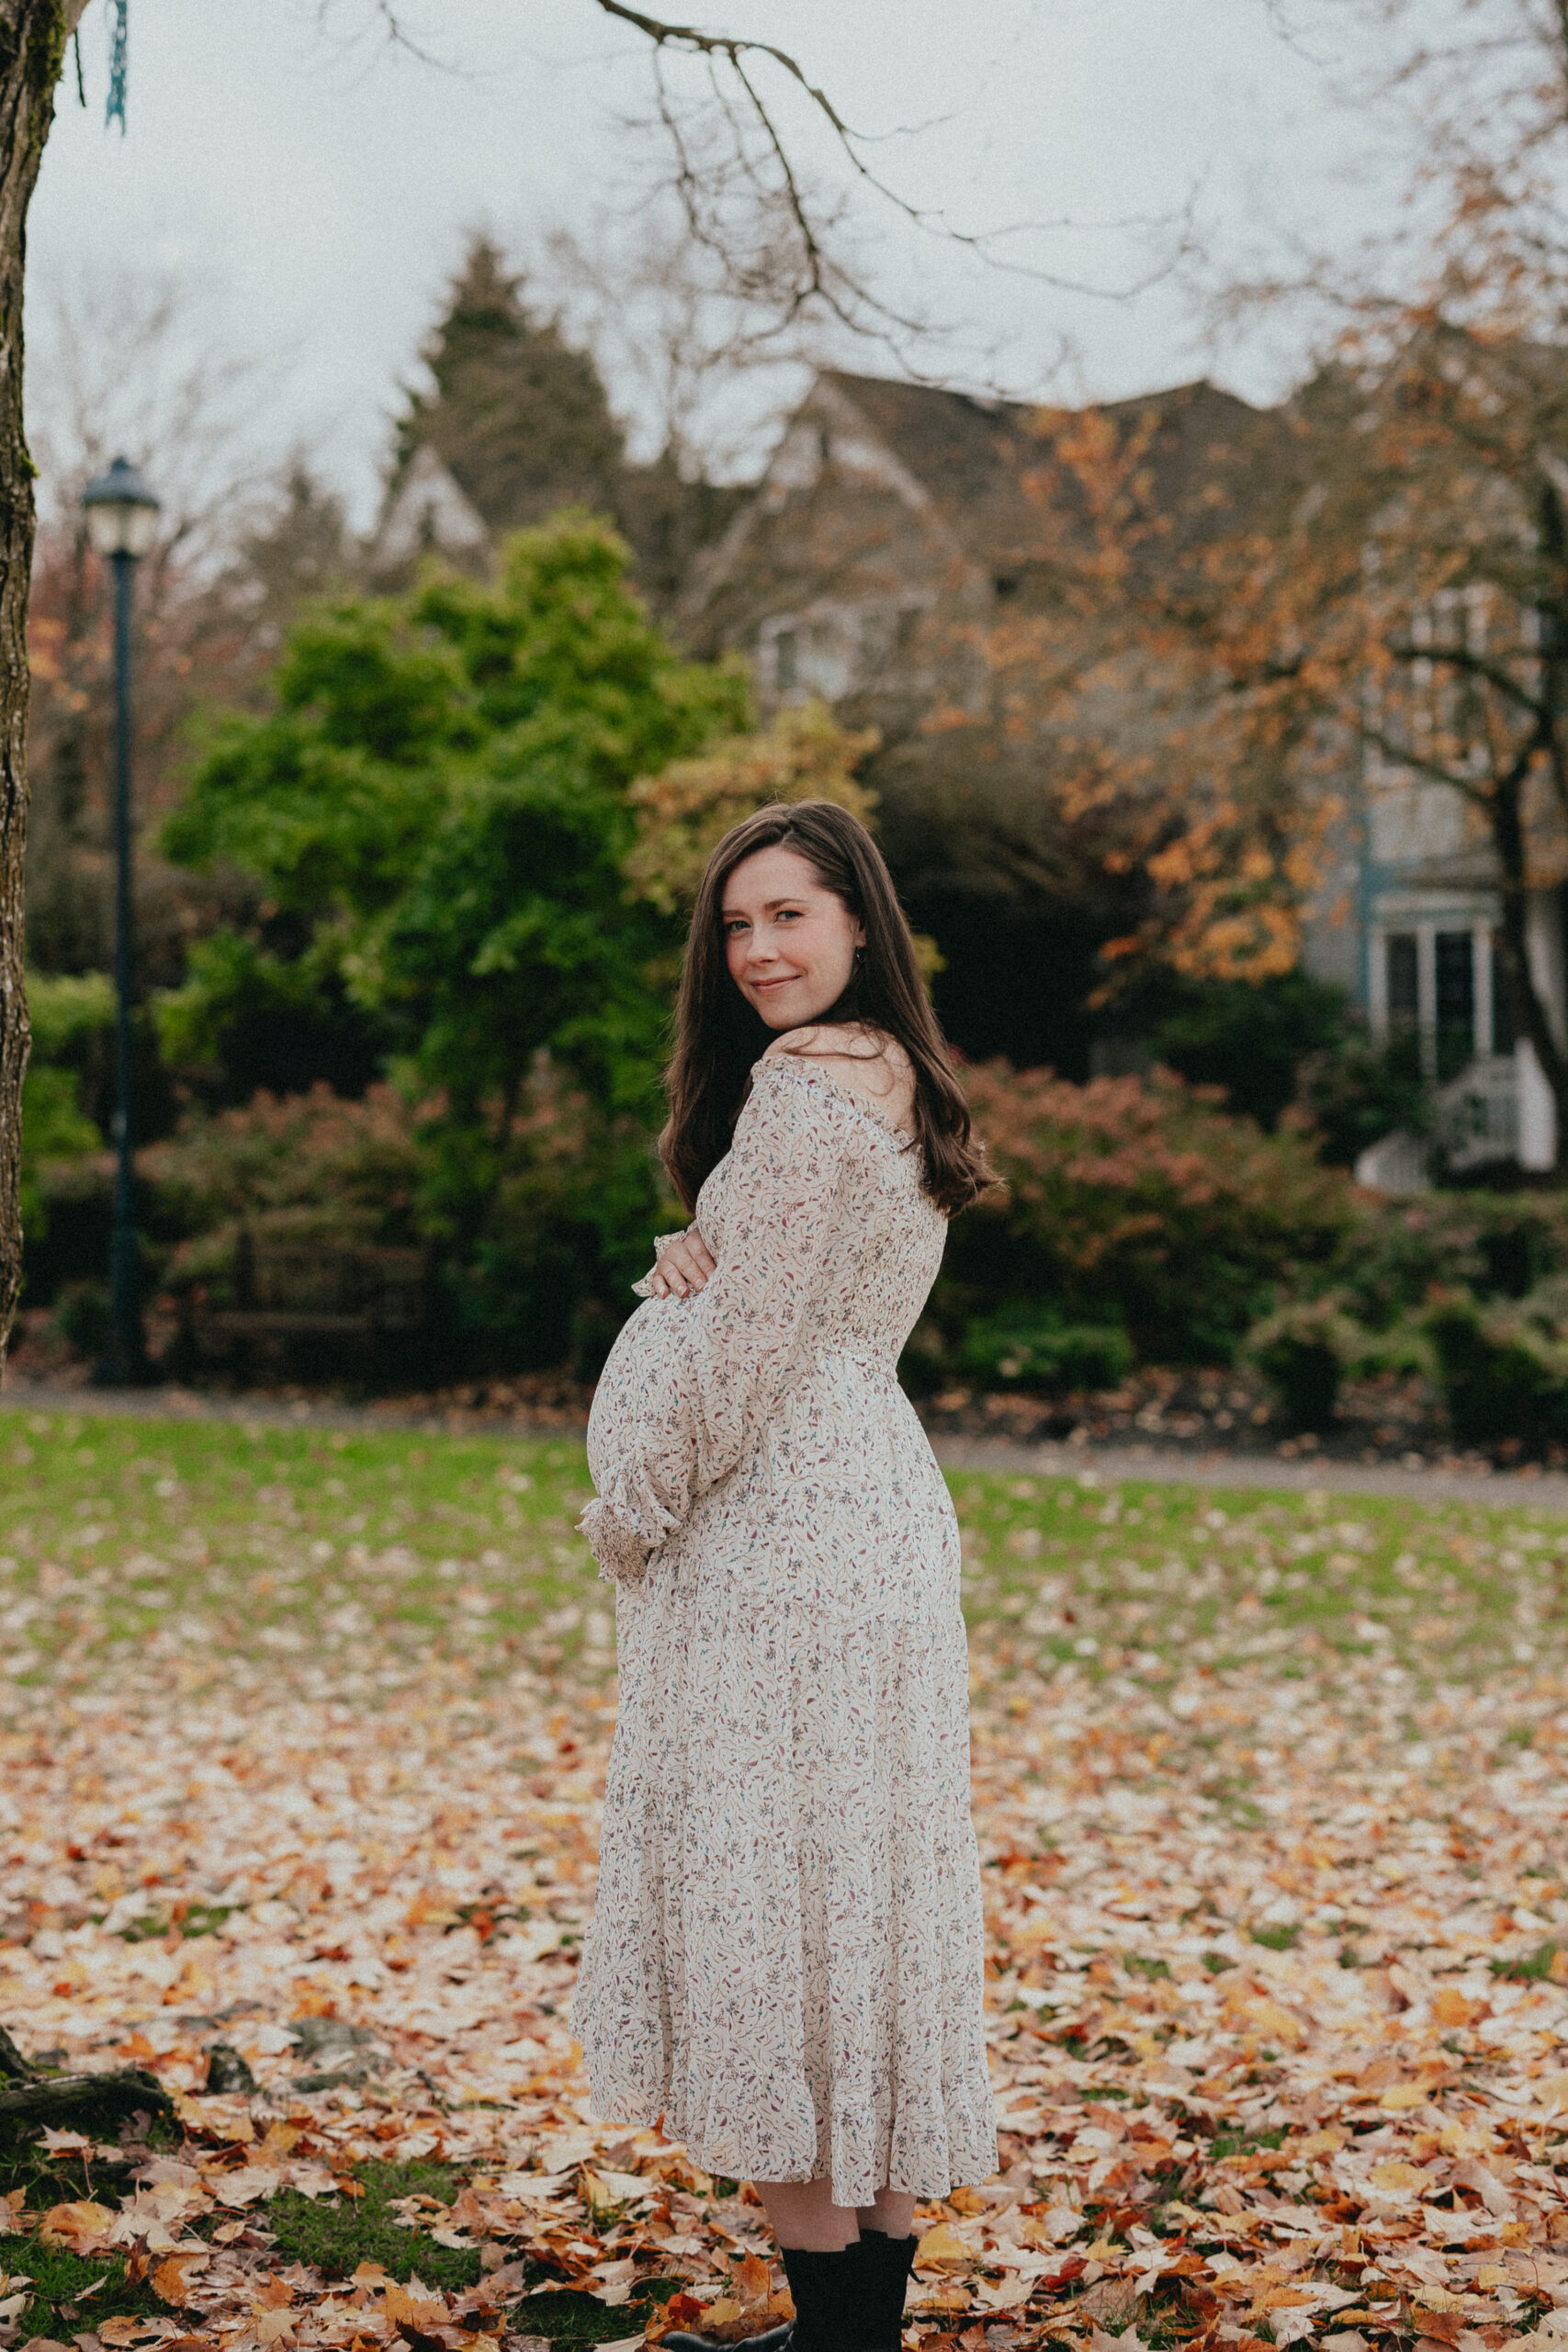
point(33, 34)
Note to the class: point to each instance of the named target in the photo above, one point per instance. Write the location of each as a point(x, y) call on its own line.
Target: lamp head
point(123, 513)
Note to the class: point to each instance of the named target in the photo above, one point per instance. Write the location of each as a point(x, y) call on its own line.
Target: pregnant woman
point(786, 1959)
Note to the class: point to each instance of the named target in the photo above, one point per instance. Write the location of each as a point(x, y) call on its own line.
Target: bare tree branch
point(1477, 665)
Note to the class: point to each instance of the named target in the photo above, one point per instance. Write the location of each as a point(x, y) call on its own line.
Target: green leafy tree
point(71, 1015)
point(437, 813)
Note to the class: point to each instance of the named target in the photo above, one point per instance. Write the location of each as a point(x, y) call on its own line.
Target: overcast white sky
point(319, 186)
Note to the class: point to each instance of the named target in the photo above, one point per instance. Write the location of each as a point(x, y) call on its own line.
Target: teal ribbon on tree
point(115, 109)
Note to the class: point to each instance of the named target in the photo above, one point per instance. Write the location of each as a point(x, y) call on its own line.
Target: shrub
point(1136, 1203)
point(1305, 1351)
point(1401, 1254)
point(1250, 1037)
point(1503, 1374)
point(82, 1313)
point(71, 1015)
point(1359, 1091)
point(544, 1227)
point(357, 1162)
point(1020, 1346)
point(540, 1220)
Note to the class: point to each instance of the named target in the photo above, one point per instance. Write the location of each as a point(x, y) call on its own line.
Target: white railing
point(1477, 1124)
point(1478, 1112)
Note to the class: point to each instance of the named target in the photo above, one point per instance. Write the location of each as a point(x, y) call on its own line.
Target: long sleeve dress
point(785, 1959)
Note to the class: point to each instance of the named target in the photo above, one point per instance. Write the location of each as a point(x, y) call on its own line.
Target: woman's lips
point(789, 982)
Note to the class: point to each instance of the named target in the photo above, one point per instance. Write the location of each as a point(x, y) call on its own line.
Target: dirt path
point(1546, 1490)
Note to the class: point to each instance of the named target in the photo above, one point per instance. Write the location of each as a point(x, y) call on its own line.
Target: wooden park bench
point(283, 1287)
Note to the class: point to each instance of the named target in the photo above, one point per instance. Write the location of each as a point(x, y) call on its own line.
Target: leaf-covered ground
point(303, 1742)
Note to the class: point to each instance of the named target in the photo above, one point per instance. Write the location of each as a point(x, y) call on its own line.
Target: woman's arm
point(731, 1349)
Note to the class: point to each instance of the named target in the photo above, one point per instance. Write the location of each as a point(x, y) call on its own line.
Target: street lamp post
point(122, 521)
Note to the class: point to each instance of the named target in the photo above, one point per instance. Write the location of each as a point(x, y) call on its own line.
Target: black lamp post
point(122, 521)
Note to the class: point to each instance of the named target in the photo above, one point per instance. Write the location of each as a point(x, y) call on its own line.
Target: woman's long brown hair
point(718, 1037)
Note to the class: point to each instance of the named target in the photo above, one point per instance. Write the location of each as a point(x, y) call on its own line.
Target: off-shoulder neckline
point(851, 1094)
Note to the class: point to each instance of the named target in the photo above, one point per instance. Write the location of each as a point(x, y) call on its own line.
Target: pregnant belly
point(619, 1419)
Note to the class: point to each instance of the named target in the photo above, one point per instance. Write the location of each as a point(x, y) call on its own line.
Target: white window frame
point(1425, 926)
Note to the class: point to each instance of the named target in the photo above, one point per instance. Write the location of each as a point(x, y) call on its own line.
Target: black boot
point(691, 2339)
point(883, 2278)
point(825, 2289)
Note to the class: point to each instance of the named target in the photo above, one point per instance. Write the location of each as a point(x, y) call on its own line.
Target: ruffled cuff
point(660, 1243)
point(621, 1553)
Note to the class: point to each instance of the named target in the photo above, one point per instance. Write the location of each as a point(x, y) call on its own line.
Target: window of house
point(1441, 986)
point(786, 661)
point(1454, 956)
point(1403, 979)
point(1447, 716)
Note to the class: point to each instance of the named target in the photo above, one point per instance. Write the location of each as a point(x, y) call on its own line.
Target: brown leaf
point(83, 2227)
point(754, 2278)
point(169, 2280)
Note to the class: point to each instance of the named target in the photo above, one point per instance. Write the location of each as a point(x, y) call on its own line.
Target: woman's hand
point(682, 1267)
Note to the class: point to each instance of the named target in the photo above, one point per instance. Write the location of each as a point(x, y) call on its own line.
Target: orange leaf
point(401, 2305)
point(84, 2227)
point(754, 2278)
point(169, 2280)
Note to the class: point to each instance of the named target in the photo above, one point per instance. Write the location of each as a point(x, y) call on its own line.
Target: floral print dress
point(785, 1959)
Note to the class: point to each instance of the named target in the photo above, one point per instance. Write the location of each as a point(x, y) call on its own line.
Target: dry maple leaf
point(754, 2278)
point(84, 2227)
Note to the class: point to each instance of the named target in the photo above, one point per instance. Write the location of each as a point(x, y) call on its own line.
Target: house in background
point(896, 523)
point(427, 513)
point(1426, 942)
point(898, 534)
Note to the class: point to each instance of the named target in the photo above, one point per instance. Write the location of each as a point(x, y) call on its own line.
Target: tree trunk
point(33, 34)
point(1530, 1013)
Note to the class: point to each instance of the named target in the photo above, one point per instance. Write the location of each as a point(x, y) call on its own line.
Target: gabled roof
point(989, 467)
point(427, 513)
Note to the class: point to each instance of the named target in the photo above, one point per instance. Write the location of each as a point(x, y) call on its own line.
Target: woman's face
point(789, 943)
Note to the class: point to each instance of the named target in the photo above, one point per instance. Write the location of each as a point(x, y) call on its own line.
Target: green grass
point(566, 2316)
point(72, 2293)
point(310, 1552)
point(335, 2235)
point(60, 2303)
point(1155, 1578)
point(293, 1548)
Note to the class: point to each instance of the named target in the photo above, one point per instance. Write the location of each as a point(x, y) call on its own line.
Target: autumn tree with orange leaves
point(1230, 644)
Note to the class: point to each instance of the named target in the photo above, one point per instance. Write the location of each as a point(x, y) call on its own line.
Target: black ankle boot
point(691, 2339)
point(825, 2289)
point(883, 2276)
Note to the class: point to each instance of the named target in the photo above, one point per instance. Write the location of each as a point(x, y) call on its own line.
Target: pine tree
point(520, 419)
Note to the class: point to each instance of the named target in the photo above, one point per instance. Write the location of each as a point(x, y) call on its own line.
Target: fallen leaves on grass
point(1276, 2008)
